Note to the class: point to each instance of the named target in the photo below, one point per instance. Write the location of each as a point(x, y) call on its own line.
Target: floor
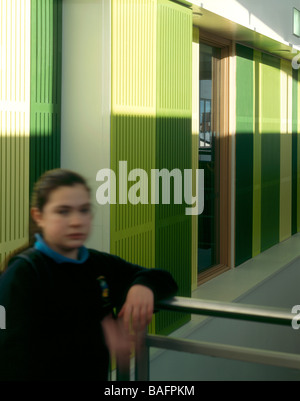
point(269, 279)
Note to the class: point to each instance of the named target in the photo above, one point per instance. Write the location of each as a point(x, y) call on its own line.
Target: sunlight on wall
point(15, 67)
point(14, 123)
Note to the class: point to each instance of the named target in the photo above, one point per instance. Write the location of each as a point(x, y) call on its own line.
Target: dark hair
point(48, 182)
point(52, 180)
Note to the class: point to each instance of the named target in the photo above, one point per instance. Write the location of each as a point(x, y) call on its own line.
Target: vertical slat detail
point(14, 124)
point(46, 42)
point(286, 151)
point(151, 128)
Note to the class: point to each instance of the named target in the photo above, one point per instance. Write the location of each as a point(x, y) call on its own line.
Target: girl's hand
point(138, 308)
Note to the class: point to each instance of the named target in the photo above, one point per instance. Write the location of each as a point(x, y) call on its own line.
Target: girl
point(59, 296)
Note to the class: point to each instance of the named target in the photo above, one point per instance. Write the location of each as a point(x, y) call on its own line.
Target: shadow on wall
point(266, 153)
point(45, 84)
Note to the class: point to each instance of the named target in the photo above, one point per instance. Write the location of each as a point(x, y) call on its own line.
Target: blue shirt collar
point(41, 245)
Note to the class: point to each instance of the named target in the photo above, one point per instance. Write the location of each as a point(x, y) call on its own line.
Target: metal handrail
point(228, 310)
point(217, 309)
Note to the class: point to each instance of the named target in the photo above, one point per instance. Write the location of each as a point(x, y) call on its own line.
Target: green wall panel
point(270, 151)
point(256, 235)
point(267, 176)
point(45, 86)
point(133, 226)
point(295, 173)
point(151, 129)
point(174, 143)
point(14, 126)
point(244, 154)
point(173, 228)
point(285, 150)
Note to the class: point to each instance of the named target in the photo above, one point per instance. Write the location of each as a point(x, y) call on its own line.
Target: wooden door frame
point(226, 155)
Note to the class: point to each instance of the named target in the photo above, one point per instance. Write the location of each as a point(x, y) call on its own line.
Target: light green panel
point(270, 150)
point(133, 102)
point(14, 125)
point(132, 226)
point(174, 60)
point(256, 233)
point(133, 122)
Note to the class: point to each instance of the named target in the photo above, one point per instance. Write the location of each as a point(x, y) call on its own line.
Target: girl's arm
point(134, 290)
point(138, 308)
point(136, 313)
point(121, 276)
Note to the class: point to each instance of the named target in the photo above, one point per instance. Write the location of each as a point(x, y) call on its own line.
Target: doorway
point(214, 159)
point(208, 221)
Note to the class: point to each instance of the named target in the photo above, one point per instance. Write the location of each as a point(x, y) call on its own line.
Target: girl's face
point(65, 219)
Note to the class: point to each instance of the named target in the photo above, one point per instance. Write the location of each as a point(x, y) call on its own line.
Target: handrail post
point(216, 309)
point(142, 360)
point(123, 369)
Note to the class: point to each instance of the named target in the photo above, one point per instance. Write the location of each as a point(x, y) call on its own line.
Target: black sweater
point(53, 314)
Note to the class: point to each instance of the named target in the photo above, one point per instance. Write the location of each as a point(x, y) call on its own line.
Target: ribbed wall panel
point(134, 57)
point(295, 172)
point(270, 150)
point(46, 37)
point(286, 151)
point(254, 109)
point(174, 30)
point(14, 123)
point(133, 122)
point(134, 140)
point(174, 146)
point(267, 152)
point(151, 129)
point(195, 147)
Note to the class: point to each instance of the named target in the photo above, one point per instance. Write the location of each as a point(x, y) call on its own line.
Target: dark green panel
point(244, 154)
point(45, 86)
point(270, 151)
point(172, 226)
point(294, 151)
point(270, 190)
point(173, 145)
